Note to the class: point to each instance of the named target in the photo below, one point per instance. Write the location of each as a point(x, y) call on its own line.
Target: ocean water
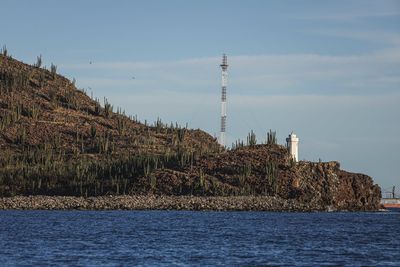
point(158, 238)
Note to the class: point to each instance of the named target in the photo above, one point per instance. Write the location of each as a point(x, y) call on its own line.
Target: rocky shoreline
point(153, 202)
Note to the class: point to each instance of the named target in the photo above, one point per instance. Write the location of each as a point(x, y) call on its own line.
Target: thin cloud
point(140, 65)
point(349, 16)
point(292, 74)
point(389, 38)
point(349, 12)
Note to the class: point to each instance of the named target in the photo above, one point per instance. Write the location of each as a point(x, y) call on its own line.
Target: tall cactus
point(271, 137)
point(251, 139)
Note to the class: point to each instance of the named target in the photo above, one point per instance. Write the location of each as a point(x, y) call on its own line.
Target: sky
point(327, 70)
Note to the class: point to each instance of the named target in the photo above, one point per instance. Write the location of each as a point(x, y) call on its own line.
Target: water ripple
point(148, 238)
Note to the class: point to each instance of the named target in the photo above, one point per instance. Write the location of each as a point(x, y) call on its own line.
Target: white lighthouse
point(293, 146)
point(224, 83)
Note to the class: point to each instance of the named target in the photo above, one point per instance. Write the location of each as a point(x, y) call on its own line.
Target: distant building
point(293, 146)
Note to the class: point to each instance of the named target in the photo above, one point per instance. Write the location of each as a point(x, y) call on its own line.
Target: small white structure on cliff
point(293, 146)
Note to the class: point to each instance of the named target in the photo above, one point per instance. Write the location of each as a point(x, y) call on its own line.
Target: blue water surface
point(154, 238)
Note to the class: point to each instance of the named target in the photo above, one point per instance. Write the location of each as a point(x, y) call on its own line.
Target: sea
point(187, 238)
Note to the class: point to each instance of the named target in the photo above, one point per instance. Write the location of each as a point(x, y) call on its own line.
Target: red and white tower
point(224, 83)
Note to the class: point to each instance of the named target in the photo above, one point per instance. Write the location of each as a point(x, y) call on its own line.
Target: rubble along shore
point(153, 202)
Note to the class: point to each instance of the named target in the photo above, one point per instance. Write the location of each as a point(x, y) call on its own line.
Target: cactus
point(38, 63)
point(32, 111)
point(97, 107)
point(238, 143)
point(271, 172)
point(246, 170)
point(251, 139)
point(121, 125)
point(4, 51)
point(181, 134)
point(103, 143)
point(108, 108)
point(21, 136)
point(271, 137)
point(158, 125)
point(53, 70)
point(153, 182)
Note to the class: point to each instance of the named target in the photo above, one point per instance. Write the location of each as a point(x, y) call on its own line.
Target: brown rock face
point(363, 195)
point(268, 170)
point(326, 184)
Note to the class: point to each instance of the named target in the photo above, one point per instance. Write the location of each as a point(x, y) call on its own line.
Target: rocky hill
point(268, 170)
point(52, 134)
point(55, 140)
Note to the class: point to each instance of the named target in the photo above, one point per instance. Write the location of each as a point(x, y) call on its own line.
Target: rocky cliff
point(268, 170)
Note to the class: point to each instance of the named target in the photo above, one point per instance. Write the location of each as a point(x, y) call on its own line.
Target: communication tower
point(224, 83)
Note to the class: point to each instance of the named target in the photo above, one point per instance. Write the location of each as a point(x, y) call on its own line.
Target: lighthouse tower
point(224, 83)
point(293, 146)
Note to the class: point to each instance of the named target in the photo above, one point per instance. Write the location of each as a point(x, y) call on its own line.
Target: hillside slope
point(38, 106)
point(50, 133)
point(55, 140)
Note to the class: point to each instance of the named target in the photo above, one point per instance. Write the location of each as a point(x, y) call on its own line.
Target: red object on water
point(392, 204)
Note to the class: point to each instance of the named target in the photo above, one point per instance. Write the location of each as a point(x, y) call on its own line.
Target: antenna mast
point(224, 82)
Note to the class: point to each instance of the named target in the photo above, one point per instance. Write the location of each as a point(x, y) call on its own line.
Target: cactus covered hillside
point(57, 141)
point(54, 139)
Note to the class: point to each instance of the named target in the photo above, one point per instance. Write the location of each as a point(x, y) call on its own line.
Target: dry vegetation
point(55, 140)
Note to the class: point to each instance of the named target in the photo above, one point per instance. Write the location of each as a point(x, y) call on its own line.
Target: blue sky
point(328, 70)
